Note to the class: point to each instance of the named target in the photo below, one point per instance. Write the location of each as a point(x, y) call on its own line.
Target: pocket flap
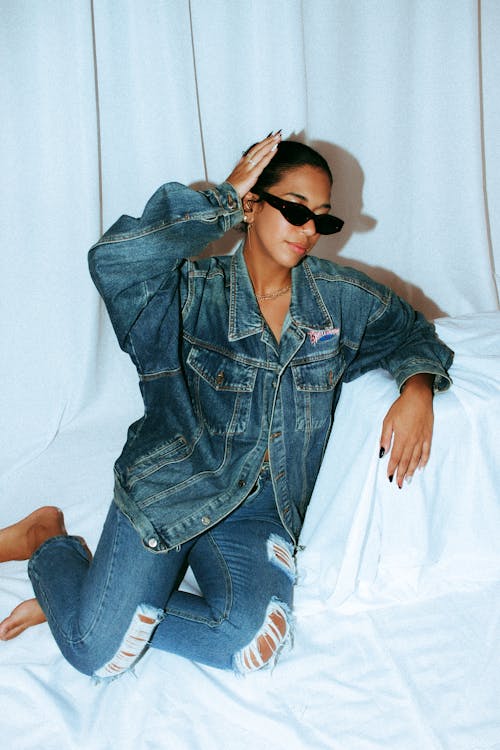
point(222, 373)
point(318, 376)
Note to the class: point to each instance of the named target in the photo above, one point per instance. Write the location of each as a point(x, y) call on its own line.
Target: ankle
point(48, 524)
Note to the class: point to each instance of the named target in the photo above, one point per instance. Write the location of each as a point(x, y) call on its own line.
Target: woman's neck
point(272, 286)
point(267, 278)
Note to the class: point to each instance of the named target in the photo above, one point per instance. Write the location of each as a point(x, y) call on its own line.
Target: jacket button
point(152, 542)
point(205, 520)
point(220, 377)
point(241, 483)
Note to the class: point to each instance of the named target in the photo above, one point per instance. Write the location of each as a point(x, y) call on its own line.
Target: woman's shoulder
point(329, 271)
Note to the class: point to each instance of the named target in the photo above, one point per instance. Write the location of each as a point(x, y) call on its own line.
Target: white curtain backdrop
point(103, 101)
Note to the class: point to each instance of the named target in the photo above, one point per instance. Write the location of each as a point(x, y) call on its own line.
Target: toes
point(25, 615)
point(10, 633)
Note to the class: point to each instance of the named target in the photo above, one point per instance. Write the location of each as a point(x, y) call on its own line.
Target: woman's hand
point(248, 170)
point(408, 425)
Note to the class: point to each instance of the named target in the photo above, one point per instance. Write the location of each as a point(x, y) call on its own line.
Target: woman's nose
point(309, 227)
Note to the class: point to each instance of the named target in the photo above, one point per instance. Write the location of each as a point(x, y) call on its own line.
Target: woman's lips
point(298, 249)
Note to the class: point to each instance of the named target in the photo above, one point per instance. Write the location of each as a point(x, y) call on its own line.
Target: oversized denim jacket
point(218, 389)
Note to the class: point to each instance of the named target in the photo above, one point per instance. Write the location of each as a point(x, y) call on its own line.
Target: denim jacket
point(218, 389)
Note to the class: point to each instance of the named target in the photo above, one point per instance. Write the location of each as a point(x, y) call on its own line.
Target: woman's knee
point(100, 660)
point(272, 636)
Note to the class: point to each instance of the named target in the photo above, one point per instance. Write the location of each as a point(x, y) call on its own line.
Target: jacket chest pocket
point(314, 387)
point(222, 389)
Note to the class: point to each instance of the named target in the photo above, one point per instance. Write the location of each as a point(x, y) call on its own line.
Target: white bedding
point(397, 608)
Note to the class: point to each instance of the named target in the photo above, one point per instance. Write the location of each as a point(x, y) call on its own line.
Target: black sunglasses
point(298, 214)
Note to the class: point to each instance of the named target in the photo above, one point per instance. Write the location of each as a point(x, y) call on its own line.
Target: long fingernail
point(391, 477)
point(381, 452)
point(267, 136)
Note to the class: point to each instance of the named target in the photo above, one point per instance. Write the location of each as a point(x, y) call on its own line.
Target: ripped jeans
point(103, 614)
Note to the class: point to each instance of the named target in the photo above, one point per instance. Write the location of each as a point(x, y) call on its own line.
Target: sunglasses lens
point(296, 214)
point(299, 215)
point(328, 224)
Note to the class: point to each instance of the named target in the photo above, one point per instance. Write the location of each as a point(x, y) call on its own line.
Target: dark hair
point(290, 155)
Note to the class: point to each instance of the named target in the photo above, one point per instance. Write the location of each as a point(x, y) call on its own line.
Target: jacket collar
point(307, 309)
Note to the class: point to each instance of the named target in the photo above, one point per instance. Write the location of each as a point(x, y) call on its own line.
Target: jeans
point(103, 614)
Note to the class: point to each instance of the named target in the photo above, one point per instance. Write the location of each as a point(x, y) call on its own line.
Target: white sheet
point(397, 609)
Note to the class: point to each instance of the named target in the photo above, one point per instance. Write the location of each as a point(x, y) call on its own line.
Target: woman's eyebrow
point(303, 198)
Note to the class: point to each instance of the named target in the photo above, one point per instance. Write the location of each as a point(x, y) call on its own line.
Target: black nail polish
point(391, 477)
point(267, 136)
point(382, 453)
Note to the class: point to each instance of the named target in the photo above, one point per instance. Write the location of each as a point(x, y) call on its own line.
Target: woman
point(241, 360)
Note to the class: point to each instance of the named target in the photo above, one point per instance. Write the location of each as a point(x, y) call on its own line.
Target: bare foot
point(25, 615)
point(19, 541)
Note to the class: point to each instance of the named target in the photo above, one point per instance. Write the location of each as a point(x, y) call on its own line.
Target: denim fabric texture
point(218, 389)
point(104, 614)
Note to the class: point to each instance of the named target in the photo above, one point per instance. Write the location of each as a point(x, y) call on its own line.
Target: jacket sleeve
point(399, 339)
point(137, 257)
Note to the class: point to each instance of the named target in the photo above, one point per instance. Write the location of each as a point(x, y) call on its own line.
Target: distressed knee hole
point(264, 649)
point(134, 643)
point(280, 554)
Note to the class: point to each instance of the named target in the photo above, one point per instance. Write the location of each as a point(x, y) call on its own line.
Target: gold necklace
point(276, 293)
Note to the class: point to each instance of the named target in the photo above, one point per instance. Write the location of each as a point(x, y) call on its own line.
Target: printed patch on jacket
point(323, 335)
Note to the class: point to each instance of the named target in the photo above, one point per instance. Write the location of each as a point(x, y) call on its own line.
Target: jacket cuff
point(442, 381)
point(230, 201)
